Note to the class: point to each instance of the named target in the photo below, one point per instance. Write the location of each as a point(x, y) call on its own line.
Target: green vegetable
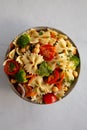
point(75, 60)
point(12, 66)
point(23, 40)
point(44, 69)
point(69, 53)
point(32, 46)
point(21, 76)
point(40, 33)
point(58, 63)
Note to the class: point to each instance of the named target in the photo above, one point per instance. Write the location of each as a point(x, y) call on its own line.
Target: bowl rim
point(38, 28)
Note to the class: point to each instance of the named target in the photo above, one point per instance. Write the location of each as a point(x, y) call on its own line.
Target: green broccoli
point(23, 40)
point(44, 69)
point(21, 76)
point(75, 60)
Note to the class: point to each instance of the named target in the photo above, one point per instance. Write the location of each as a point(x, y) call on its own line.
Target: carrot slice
point(31, 94)
point(54, 77)
point(31, 79)
point(59, 85)
point(29, 76)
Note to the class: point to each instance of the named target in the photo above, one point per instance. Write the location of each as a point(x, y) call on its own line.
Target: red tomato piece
point(59, 82)
point(49, 98)
point(54, 77)
point(11, 67)
point(47, 51)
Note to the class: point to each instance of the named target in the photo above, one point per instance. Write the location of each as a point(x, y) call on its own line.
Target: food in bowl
point(42, 65)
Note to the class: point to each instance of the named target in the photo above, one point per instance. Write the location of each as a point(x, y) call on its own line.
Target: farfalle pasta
point(31, 61)
point(42, 65)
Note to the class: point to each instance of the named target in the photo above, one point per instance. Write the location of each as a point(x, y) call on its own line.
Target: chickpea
point(22, 50)
point(37, 49)
point(65, 89)
point(55, 89)
point(27, 47)
point(75, 73)
point(74, 52)
point(13, 81)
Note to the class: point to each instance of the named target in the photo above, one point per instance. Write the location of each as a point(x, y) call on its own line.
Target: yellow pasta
point(11, 54)
point(31, 61)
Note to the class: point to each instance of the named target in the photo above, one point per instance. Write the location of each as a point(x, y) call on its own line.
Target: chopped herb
point(58, 63)
point(32, 46)
point(61, 56)
point(12, 66)
point(41, 33)
point(69, 53)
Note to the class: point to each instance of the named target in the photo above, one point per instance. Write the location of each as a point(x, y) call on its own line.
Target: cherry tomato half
point(11, 67)
point(49, 98)
point(47, 51)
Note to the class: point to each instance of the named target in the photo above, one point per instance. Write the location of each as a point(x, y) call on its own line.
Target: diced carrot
point(54, 77)
point(27, 88)
point(29, 76)
point(50, 78)
point(31, 79)
point(59, 85)
point(52, 35)
point(62, 77)
point(31, 94)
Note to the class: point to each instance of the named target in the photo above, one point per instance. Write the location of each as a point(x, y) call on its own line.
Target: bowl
point(44, 67)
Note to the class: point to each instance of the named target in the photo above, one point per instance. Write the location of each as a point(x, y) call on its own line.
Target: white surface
point(70, 17)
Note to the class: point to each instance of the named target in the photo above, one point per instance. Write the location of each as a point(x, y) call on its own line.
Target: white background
point(70, 16)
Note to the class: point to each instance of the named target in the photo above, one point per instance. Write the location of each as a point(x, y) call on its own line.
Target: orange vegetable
point(31, 94)
point(52, 35)
point(54, 77)
point(59, 83)
point(30, 77)
point(62, 77)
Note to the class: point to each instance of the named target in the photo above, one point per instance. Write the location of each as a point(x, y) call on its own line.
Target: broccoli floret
point(21, 76)
point(23, 40)
point(44, 69)
point(75, 60)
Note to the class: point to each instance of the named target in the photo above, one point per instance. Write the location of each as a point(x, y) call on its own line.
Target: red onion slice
point(22, 88)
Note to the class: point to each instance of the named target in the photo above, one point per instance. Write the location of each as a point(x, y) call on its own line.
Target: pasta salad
point(42, 64)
